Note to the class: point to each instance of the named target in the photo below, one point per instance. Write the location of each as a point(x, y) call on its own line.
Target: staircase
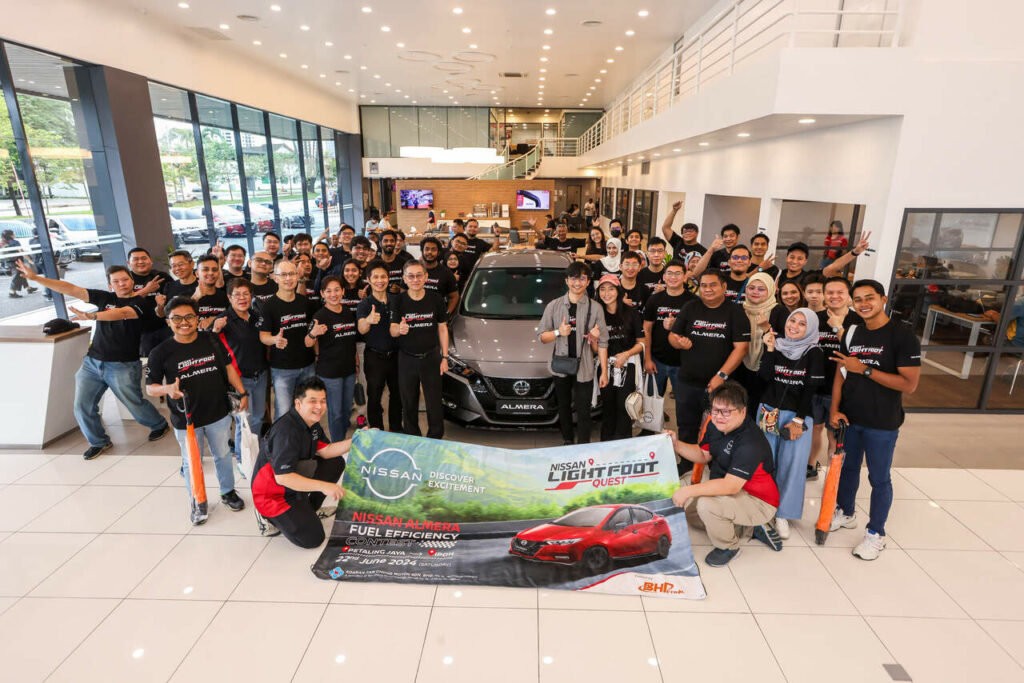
point(523, 167)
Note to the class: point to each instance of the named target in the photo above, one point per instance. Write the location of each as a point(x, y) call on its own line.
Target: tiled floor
point(102, 578)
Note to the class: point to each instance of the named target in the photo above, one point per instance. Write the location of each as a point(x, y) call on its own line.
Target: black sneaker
point(812, 471)
point(159, 433)
point(266, 527)
point(232, 500)
point(719, 557)
point(31, 290)
point(14, 295)
point(769, 536)
point(97, 450)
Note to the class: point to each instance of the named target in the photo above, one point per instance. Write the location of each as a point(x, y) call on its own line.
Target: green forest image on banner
point(595, 517)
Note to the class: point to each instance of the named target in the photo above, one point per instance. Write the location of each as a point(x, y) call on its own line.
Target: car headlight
point(457, 366)
point(563, 541)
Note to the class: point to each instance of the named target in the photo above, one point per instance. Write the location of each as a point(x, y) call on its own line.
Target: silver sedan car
point(499, 374)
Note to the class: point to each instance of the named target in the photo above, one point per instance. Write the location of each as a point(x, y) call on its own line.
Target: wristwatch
point(722, 375)
point(557, 333)
point(243, 394)
point(868, 371)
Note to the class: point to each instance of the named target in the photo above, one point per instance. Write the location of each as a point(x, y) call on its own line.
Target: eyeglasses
point(179, 319)
point(414, 276)
point(739, 257)
point(723, 412)
point(285, 276)
point(578, 278)
point(264, 261)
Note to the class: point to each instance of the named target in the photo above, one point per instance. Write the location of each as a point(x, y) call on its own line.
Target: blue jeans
point(216, 436)
point(339, 404)
point(877, 445)
point(284, 382)
point(257, 390)
point(125, 380)
point(790, 465)
point(665, 373)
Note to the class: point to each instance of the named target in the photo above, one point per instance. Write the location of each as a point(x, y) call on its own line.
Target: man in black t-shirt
point(113, 358)
point(712, 335)
point(234, 263)
point(419, 320)
point(717, 257)
point(878, 362)
point(393, 260)
point(660, 311)
point(183, 268)
point(440, 280)
point(211, 300)
point(457, 245)
point(796, 259)
point(760, 260)
point(194, 372)
point(736, 278)
point(263, 287)
point(635, 293)
point(380, 358)
point(297, 469)
point(740, 496)
point(684, 243)
point(286, 322)
point(148, 282)
point(477, 247)
point(652, 276)
point(562, 242)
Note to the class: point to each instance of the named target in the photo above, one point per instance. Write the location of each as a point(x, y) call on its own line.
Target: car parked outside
point(189, 224)
point(260, 216)
point(30, 250)
point(79, 233)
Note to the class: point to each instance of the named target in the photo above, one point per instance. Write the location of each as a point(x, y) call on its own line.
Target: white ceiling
point(508, 36)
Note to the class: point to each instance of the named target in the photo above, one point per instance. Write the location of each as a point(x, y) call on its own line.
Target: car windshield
point(79, 223)
point(583, 517)
point(21, 230)
point(512, 292)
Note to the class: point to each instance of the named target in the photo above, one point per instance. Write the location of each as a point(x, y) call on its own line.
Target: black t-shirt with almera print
point(829, 343)
point(892, 346)
point(660, 306)
point(293, 317)
point(423, 317)
point(117, 341)
point(713, 332)
point(213, 305)
point(261, 293)
point(650, 279)
point(202, 368)
point(440, 281)
point(336, 356)
point(792, 383)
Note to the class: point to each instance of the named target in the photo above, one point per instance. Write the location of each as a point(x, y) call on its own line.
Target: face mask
point(616, 232)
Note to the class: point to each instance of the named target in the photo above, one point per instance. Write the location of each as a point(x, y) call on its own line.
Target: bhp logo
point(666, 587)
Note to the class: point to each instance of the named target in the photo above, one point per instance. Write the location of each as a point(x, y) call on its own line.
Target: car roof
point(524, 258)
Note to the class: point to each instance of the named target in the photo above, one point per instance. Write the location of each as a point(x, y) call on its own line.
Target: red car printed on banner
point(594, 536)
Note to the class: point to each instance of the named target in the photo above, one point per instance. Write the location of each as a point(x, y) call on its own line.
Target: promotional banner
point(594, 517)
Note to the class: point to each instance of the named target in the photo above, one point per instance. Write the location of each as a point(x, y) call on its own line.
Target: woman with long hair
point(791, 297)
point(793, 366)
point(625, 347)
point(758, 305)
point(353, 284)
point(596, 244)
point(835, 242)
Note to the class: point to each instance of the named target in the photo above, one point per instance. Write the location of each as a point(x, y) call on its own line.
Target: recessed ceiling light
point(445, 92)
point(541, 86)
point(548, 31)
point(183, 5)
point(304, 27)
point(543, 71)
point(806, 121)
point(494, 98)
point(467, 29)
point(677, 150)
point(543, 59)
point(224, 27)
point(275, 8)
point(414, 101)
point(367, 10)
point(593, 87)
point(376, 75)
point(703, 144)
point(385, 28)
point(604, 71)
point(363, 96)
point(373, 101)
point(283, 55)
point(257, 42)
point(641, 156)
point(387, 85)
point(348, 57)
point(398, 90)
point(362, 68)
point(543, 78)
point(305, 66)
point(456, 10)
point(610, 60)
point(642, 13)
point(405, 96)
point(619, 48)
point(743, 135)
point(630, 32)
point(328, 43)
point(550, 11)
point(337, 82)
point(472, 46)
point(657, 154)
point(351, 90)
point(399, 44)
point(493, 91)
point(451, 97)
point(323, 75)
point(597, 80)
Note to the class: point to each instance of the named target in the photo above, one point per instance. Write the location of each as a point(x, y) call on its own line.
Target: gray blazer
point(588, 314)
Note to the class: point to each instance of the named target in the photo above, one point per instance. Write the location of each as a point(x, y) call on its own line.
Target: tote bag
point(653, 416)
point(250, 446)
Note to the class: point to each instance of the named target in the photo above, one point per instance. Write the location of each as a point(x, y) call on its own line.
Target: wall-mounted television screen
point(528, 200)
point(416, 199)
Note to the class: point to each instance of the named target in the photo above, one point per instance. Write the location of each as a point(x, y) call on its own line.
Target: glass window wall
point(312, 182)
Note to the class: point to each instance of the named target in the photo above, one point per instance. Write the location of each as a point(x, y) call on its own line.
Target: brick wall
point(457, 197)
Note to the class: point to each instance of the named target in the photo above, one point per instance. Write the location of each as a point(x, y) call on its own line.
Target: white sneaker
point(782, 528)
point(839, 520)
point(870, 547)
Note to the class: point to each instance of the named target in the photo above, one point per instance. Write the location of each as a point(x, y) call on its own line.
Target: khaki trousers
point(729, 519)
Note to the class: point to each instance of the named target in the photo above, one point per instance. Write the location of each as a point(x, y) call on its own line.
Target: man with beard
point(736, 276)
point(440, 280)
point(211, 300)
point(457, 246)
point(262, 286)
point(562, 242)
point(390, 256)
point(760, 260)
point(477, 247)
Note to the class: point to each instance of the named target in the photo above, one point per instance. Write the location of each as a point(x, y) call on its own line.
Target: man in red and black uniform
point(297, 469)
point(740, 497)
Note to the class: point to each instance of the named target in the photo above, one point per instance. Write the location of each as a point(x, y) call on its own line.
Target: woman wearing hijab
point(608, 265)
point(793, 366)
point(758, 305)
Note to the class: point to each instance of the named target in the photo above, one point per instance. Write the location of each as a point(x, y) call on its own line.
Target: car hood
point(501, 348)
point(554, 532)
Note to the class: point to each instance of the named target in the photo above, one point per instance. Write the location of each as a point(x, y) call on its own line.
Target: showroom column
point(770, 217)
point(129, 140)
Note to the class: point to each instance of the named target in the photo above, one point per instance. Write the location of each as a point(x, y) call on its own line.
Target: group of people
point(762, 360)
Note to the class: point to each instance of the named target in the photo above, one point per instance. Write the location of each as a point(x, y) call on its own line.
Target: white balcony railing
point(744, 30)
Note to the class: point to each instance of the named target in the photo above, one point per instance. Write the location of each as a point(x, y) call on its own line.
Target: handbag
point(635, 399)
point(564, 365)
point(652, 417)
point(250, 446)
point(359, 394)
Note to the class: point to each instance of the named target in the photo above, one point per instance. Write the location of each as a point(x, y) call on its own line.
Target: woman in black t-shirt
point(625, 347)
point(334, 335)
point(793, 366)
point(596, 246)
point(353, 284)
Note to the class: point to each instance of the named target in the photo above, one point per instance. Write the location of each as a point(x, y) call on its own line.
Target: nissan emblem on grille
point(522, 388)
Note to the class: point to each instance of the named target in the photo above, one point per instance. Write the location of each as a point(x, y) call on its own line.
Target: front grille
point(505, 387)
point(526, 547)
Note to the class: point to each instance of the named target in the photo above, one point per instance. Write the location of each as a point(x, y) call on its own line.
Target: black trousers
point(299, 524)
point(691, 402)
point(574, 398)
point(615, 421)
point(382, 370)
point(754, 385)
point(414, 373)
